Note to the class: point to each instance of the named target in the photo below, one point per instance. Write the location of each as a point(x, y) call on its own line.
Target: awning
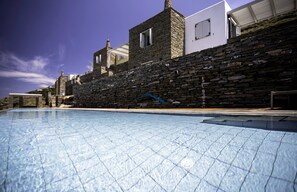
point(122, 50)
point(259, 10)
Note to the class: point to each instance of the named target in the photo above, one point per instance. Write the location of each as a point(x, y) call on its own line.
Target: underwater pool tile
point(124, 152)
point(216, 173)
point(285, 168)
point(233, 179)
point(204, 186)
point(276, 185)
point(254, 182)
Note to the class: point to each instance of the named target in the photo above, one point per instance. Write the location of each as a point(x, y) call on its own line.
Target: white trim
point(25, 94)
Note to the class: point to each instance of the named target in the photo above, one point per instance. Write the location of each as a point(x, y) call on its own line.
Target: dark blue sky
point(40, 38)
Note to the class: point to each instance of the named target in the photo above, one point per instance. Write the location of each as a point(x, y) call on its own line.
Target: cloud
point(34, 78)
point(90, 66)
point(10, 61)
point(61, 51)
point(26, 70)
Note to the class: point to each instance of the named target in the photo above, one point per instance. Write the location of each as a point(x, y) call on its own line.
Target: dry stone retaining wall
point(239, 74)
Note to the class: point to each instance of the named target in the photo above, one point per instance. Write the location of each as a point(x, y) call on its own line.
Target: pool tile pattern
point(55, 150)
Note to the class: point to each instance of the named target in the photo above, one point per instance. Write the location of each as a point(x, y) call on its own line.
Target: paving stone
point(252, 144)
point(228, 154)
point(279, 185)
point(170, 181)
point(238, 141)
point(285, 168)
point(204, 186)
point(201, 167)
point(225, 139)
point(254, 182)
point(65, 184)
point(290, 138)
point(288, 150)
point(151, 163)
point(131, 179)
point(158, 188)
point(194, 156)
point(263, 164)
point(144, 184)
point(203, 146)
point(275, 136)
point(269, 147)
point(188, 183)
point(247, 133)
point(215, 150)
point(216, 173)
point(178, 155)
point(233, 179)
point(244, 159)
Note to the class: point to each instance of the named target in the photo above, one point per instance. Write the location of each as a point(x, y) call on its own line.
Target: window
point(202, 29)
point(98, 59)
point(146, 38)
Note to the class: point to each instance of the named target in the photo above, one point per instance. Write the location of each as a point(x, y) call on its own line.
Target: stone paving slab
point(97, 151)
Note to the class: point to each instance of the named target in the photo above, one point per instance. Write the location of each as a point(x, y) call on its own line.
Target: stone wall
point(60, 88)
point(177, 26)
point(239, 74)
point(102, 53)
point(119, 67)
point(167, 36)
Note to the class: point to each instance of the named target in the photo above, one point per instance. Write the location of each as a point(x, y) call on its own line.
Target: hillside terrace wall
point(239, 74)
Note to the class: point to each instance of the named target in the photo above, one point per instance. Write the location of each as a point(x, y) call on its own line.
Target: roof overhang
point(122, 50)
point(259, 10)
point(25, 94)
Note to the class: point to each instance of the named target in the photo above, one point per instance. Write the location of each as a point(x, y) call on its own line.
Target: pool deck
point(201, 111)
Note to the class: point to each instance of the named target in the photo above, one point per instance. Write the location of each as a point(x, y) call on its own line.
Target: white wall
point(219, 28)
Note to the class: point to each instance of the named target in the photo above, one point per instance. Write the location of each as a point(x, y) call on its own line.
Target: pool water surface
point(75, 150)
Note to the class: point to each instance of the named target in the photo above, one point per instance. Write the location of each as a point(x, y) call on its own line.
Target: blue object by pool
point(71, 150)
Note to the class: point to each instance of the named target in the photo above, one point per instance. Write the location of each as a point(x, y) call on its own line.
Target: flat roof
point(259, 10)
point(25, 94)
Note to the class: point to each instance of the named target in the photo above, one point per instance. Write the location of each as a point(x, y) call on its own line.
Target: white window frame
point(144, 42)
point(98, 58)
point(203, 29)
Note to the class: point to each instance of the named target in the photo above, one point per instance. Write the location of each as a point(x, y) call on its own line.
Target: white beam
point(252, 13)
point(119, 53)
point(272, 5)
point(25, 94)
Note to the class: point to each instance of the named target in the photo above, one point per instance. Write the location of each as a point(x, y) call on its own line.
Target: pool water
point(75, 150)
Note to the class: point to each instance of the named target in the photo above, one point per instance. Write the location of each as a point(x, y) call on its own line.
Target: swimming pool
point(67, 150)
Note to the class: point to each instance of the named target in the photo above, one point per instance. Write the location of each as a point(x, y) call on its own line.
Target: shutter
point(141, 40)
point(151, 36)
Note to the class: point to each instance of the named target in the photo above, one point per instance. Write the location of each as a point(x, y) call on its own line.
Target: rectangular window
point(98, 58)
point(202, 29)
point(146, 38)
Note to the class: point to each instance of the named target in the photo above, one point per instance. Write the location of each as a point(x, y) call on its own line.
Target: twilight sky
point(40, 38)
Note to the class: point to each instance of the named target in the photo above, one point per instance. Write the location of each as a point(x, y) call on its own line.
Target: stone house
point(169, 34)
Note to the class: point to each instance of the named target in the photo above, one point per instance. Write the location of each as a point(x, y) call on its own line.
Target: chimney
point(107, 43)
point(168, 4)
point(62, 73)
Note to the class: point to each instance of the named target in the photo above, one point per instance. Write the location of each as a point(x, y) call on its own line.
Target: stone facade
point(167, 39)
point(100, 59)
point(239, 74)
point(60, 85)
